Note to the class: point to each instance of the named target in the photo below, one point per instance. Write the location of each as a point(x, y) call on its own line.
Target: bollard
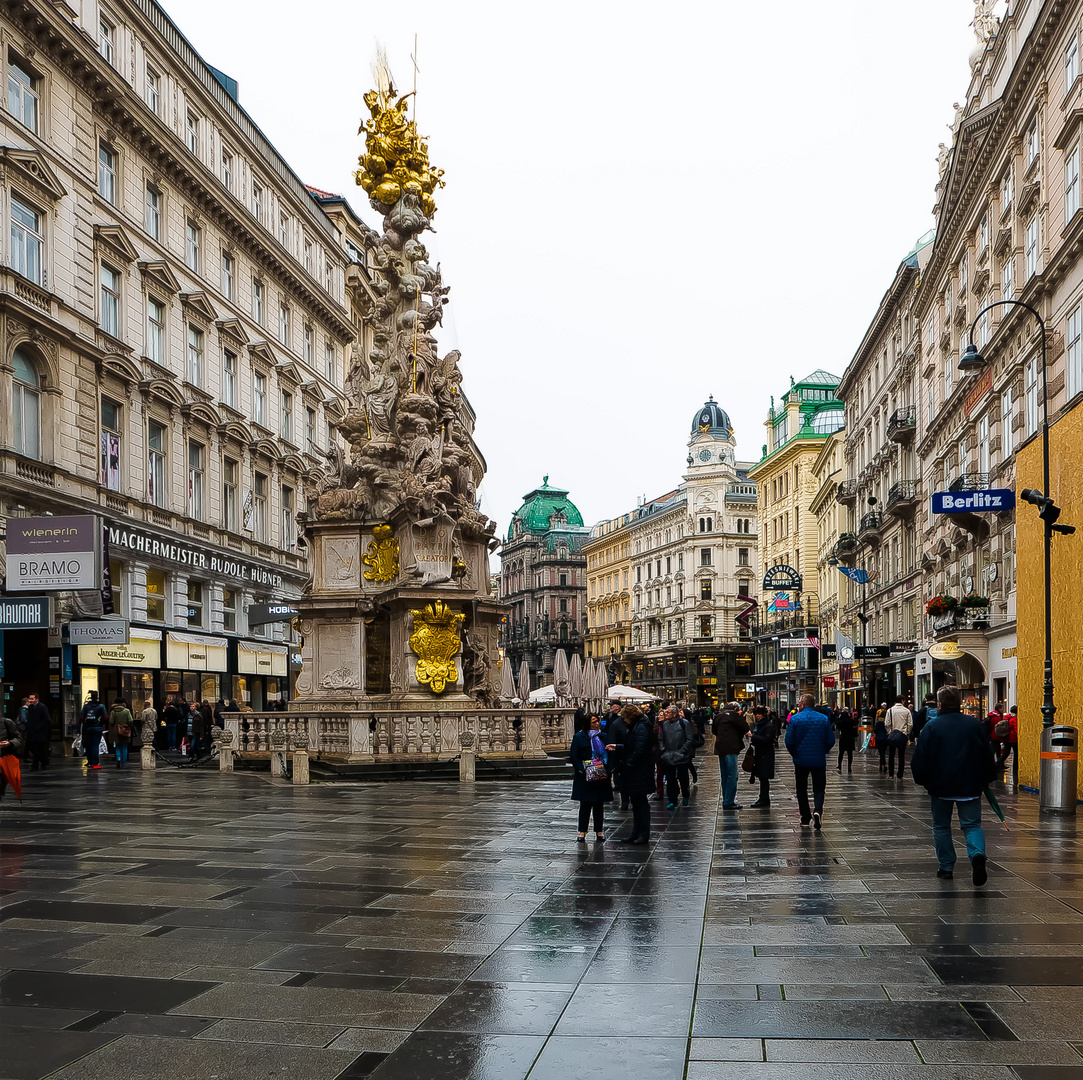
point(278, 753)
point(1057, 777)
point(300, 766)
point(466, 767)
point(225, 759)
point(146, 757)
point(223, 740)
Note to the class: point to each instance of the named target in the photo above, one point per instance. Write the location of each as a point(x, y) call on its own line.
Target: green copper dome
point(540, 505)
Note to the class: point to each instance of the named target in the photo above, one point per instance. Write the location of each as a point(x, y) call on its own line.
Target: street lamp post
point(863, 616)
point(971, 362)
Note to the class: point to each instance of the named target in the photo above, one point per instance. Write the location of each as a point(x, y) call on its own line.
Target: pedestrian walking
point(879, 734)
point(954, 761)
point(678, 746)
point(11, 742)
point(591, 785)
point(808, 739)
point(120, 730)
point(763, 768)
point(638, 768)
point(846, 723)
point(698, 740)
point(898, 721)
point(92, 719)
point(922, 716)
point(1009, 742)
point(729, 728)
point(38, 731)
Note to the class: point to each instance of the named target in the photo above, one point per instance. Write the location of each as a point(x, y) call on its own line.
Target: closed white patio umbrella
point(524, 682)
point(560, 676)
point(507, 683)
point(577, 688)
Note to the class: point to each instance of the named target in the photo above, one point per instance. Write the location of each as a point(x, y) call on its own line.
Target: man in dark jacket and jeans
point(808, 739)
point(729, 728)
point(39, 730)
point(954, 761)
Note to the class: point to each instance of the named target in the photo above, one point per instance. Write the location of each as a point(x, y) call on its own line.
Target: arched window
point(26, 407)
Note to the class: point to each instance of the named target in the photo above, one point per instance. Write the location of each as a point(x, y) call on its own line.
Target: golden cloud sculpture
point(436, 641)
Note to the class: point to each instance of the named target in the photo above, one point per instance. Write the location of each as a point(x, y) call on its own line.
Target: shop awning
point(256, 658)
point(144, 650)
point(192, 652)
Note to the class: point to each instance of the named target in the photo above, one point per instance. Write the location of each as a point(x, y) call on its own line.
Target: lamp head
point(832, 561)
point(971, 361)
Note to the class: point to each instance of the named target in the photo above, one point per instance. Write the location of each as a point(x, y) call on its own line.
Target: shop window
point(156, 596)
point(110, 441)
point(229, 609)
point(195, 603)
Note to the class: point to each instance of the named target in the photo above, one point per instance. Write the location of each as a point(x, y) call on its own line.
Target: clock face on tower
point(846, 653)
point(705, 455)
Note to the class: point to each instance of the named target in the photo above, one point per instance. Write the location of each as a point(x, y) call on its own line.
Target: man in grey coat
point(678, 746)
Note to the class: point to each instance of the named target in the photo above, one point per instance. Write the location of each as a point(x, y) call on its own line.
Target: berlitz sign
point(990, 501)
point(176, 550)
point(53, 553)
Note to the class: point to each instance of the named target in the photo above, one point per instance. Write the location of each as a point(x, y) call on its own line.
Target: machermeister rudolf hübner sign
point(988, 501)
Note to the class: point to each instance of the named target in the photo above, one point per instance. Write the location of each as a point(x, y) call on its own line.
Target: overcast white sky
point(645, 203)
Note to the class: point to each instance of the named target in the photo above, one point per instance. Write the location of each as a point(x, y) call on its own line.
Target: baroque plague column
point(397, 615)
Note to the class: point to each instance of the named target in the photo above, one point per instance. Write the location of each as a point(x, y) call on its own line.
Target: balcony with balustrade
point(902, 499)
point(845, 549)
point(868, 532)
point(902, 425)
point(846, 492)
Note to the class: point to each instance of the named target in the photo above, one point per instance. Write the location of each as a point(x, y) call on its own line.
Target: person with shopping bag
point(591, 786)
point(120, 730)
point(92, 719)
point(11, 746)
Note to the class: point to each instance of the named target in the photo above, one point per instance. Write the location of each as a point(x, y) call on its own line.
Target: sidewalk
point(186, 923)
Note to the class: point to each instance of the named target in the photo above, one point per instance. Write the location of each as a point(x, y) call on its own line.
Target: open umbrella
point(576, 686)
point(13, 773)
point(507, 683)
point(560, 676)
point(524, 682)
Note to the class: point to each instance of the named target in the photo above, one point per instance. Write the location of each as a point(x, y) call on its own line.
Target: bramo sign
point(987, 501)
point(53, 553)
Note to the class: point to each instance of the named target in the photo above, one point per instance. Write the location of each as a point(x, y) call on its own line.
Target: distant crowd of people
point(640, 753)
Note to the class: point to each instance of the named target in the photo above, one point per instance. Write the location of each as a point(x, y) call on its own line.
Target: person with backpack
point(92, 719)
point(1006, 733)
point(898, 721)
point(954, 761)
point(678, 746)
point(847, 724)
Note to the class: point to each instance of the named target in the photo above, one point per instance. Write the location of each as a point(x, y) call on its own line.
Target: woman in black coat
point(846, 722)
point(763, 743)
point(637, 771)
point(592, 795)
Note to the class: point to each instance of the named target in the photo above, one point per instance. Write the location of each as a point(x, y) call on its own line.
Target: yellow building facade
point(609, 568)
point(1066, 487)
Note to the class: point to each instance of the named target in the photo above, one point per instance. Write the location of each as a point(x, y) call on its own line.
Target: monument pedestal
point(146, 757)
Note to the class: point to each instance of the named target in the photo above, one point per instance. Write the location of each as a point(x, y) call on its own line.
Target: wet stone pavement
point(189, 924)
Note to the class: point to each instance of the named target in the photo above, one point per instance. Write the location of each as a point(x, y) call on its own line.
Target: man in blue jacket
point(954, 761)
point(808, 739)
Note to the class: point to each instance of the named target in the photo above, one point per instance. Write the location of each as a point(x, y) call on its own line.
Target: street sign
point(798, 643)
point(986, 501)
point(872, 652)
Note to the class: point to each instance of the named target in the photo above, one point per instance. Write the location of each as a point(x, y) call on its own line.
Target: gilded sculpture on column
point(436, 641)
point(382, 556)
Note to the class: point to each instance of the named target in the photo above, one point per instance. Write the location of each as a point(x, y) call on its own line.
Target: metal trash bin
point(1059, 769)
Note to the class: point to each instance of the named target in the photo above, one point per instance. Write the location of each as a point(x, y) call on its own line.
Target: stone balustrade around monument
point(407, 735)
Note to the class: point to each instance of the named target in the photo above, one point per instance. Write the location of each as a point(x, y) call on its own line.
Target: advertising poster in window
point(111, 460)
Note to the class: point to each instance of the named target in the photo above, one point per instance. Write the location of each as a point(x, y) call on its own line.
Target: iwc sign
point(782, 577)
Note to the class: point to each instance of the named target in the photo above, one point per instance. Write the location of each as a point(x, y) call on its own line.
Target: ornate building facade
point(694, 561)
point(881, 490)
point(173, 349)
point(787, 627)
point(543, 576)
point(827, 467)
